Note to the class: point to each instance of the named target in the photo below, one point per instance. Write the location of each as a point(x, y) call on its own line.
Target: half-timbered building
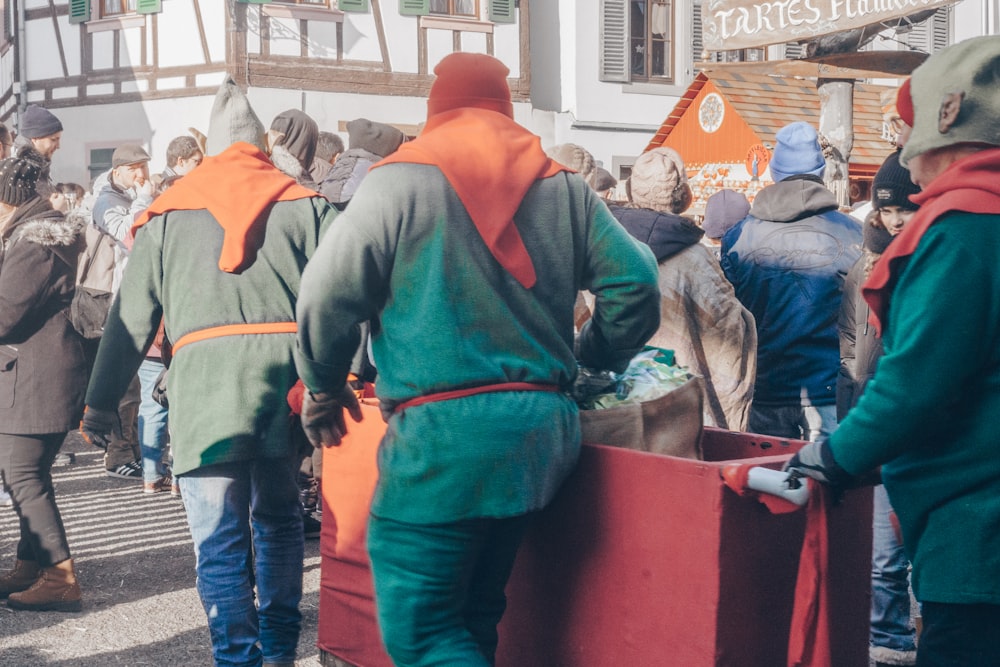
point(601, 73)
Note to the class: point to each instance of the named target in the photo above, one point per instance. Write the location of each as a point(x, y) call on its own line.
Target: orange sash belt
point(472, 391)
point(235, 330)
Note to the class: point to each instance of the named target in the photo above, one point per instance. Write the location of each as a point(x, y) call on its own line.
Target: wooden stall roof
point(766, 103)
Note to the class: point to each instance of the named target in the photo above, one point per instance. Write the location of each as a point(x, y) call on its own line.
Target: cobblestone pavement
point(135, 563)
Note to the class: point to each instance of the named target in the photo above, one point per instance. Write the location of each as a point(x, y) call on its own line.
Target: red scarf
point(491, 161)
point(970, 185)
point(235, 186)
point(809, 641)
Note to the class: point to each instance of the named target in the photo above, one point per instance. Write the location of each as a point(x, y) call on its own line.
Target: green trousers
point(439, 589)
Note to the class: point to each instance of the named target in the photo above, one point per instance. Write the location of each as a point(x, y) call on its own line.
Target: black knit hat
point(17, 180)
point(892, 185)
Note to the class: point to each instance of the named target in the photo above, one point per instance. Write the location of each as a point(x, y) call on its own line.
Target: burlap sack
point(671, 424)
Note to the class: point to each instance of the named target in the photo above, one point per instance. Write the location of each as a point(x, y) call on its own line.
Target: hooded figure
point(368, 143)
point(787, 260)
point(701, 320)
point(293, 136)
point(218, 257)
point(468, 245)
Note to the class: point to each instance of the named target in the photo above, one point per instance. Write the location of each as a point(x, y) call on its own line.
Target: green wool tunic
point(227, 395)
point(931, 412)
point(407, 253)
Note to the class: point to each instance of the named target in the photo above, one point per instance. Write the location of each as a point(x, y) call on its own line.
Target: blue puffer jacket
point(787, 261)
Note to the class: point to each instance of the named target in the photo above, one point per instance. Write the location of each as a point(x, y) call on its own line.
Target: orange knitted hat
point(470, 80)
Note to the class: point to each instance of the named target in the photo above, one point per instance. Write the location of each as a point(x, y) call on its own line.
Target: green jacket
point(227, 395)
point(930, 413)
point(407, 254)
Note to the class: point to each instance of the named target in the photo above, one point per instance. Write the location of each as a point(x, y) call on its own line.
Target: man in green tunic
point(467, 247)
point(929, 416)
point(219, 256)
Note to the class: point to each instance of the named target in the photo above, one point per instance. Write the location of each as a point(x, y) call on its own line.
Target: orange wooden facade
point(733, 151)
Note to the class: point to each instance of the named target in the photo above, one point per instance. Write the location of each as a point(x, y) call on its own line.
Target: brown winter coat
point(43, 372)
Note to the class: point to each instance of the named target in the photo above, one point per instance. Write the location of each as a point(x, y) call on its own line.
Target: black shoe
point(310, 526)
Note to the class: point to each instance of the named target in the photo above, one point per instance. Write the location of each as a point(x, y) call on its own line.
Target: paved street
point(136, 567)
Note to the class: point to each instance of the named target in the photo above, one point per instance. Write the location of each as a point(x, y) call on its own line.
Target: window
point(637, 40)
point(100, 161)
point(650, 31)
point(467, 8)
point(117, 7)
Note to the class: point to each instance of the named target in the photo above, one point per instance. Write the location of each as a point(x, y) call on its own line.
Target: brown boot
point(24, 574)
point(55, 590)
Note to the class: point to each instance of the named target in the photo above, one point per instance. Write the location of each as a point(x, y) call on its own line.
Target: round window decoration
point(711, 112)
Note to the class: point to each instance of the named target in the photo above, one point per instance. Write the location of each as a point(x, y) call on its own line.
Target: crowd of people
point(475, 274)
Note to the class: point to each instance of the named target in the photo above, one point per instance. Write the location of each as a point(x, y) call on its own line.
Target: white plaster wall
point(506, 45)
point(322, 40)
point(131, 43)
point(152, 124)
point(972, 18)
point(42, 52)
point(361, 41)
point(179, 41)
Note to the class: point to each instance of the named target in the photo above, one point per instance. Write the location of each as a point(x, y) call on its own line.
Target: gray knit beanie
point(659, 182)
point(232, 120)
point(38, 122)
point(575, 157)
point(376, 138)
point(723, 210)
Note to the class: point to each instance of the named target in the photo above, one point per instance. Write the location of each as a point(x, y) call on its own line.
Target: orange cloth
point(809, 635)
point(970, 185)
point(235, 186)
point(491, 161)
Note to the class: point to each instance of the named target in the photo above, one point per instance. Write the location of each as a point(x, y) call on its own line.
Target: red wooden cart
point(641, 559)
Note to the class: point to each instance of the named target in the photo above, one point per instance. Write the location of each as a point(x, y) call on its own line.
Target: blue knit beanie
point(797, 152)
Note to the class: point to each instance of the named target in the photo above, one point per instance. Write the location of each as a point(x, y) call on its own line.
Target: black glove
point(816, 460)
point(323, 415)
point(590, 382)
point(98, 426)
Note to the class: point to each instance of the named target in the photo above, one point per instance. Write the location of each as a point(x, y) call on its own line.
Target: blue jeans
point(246, 524)
point(152, 423)
point(890, 619)
point(796, 422)
point(439, 589)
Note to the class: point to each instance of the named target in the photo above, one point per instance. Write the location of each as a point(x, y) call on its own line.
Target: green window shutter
point(614, 51)
point(502, 11)
point(79, 11)
point(147, 6)
point(414, 7)
point(352, 5)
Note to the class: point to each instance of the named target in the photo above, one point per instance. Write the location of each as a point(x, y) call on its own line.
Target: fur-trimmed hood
point(54, 230)
point(289, 165)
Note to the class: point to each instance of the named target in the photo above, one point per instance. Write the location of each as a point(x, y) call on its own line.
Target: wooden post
point(236, 42)
point(836, 132)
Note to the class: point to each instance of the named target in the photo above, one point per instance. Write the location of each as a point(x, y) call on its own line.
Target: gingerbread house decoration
point(725, 123)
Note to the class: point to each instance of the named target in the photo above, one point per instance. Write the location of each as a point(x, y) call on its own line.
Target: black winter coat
point(43, 371)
